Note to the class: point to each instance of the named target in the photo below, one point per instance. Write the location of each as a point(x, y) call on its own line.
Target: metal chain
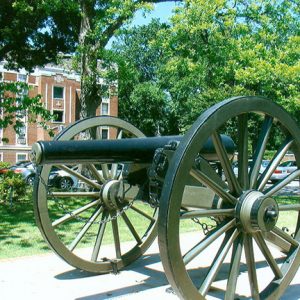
point(206, 228)
point(85, 220)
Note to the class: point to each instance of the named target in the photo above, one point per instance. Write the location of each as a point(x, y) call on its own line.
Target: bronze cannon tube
point(138, 150)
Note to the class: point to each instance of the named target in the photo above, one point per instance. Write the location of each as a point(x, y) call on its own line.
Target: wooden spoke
point(120, 134)
point(105, 171)
point(281, 184)
point(285, 236)
point(260, 150)
point(234, 267)
point(131, 228)
point(74, 213)
point(243, 155)
point(203, 178)
point(100, 235)
point(277, 242)
point(204, 167)
point(139, 211)
point(289, 207)
point(234, 185)
point(98, 176)
point(268, 255)
point(84, 229)
point(115, 229)
point(207, 213)
point(75, 194)
point(114, 171)
point(274, 163)
point(218, 261)
point(80, 176)
point(250, 259)
point(196, 250)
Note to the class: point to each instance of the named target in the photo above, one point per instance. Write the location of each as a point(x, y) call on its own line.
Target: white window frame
point(58, 86)
point(64, 104)
point(102, 129)
point(21, 153)
point(106, 101)
point(1, 156)
point(19, 75)
point(63, 116)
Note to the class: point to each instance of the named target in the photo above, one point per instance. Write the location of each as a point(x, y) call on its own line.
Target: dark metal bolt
point(271, 214)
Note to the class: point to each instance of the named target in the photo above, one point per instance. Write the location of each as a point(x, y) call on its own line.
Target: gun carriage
point(184, 188)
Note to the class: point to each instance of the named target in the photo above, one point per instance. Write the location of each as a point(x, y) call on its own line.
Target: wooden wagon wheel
point(252, 231)
point(98, 208)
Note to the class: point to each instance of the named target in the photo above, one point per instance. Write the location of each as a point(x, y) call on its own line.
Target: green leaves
point(17, 107)
point(217, 49)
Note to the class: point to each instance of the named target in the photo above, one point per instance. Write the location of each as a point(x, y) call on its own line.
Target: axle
point(137, 150)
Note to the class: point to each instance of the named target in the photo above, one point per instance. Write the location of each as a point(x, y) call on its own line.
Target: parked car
point(283, 170)
point(4, 170)
point(21, 164)
point(26, 169)
point(61, 179)
point(263, 166)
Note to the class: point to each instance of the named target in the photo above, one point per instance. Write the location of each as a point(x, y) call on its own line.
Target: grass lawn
point(20, 236)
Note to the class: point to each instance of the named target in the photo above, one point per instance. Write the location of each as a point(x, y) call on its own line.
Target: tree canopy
point(216, 49)
point(34, 32)
point(210, 50)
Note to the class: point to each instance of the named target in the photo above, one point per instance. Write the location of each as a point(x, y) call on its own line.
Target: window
point(104, 134)
point(1, 156)
point(104, 108)
point(22, 77)
point(58, 116)
point(21, 157)
point(1, 76)
point(21, 136)
point(58, 92)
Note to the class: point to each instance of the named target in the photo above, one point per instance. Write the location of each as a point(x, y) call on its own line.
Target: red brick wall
point(43, 85)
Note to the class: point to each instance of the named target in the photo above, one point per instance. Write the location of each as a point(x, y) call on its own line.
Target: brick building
point(60, 91)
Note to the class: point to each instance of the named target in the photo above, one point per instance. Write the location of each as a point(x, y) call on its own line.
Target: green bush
point(4, 164)
point(12, 187)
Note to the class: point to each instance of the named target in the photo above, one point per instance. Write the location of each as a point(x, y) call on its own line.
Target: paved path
point(46, 277)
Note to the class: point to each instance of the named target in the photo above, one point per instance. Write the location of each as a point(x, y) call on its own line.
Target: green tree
point(49, 26)
point(213, 50)
point(223, 48)
point(146, 109)
point(139, 58)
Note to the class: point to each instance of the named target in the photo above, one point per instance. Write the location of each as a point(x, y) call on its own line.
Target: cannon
point(215, 224)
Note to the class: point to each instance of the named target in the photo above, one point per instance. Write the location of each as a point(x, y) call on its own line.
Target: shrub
point(12, 187)
point(4, 164)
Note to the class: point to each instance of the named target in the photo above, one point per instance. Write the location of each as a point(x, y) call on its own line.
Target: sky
point(163, 11)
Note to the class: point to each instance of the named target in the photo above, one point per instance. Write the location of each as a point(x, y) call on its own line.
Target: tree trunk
point(90, 97)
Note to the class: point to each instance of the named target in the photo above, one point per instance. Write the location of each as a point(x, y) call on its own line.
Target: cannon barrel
point(139, 150)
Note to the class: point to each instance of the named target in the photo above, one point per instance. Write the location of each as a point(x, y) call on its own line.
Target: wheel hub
point(112, 194)
point(256, 212)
